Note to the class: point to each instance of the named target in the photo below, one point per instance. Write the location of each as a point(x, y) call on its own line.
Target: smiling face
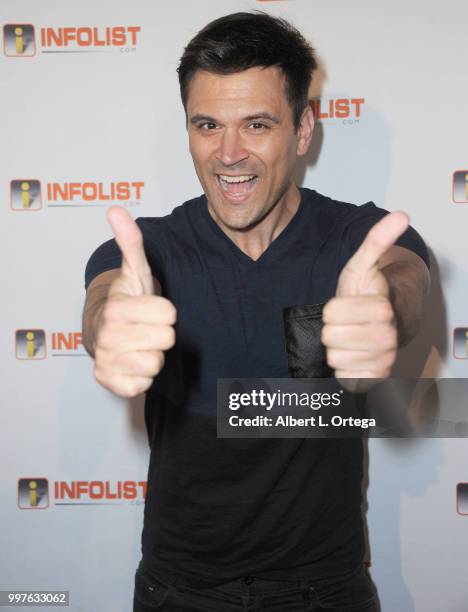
point(243, 143)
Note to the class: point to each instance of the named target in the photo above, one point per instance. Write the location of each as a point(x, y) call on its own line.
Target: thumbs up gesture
point(134, 326)
point(359, 332)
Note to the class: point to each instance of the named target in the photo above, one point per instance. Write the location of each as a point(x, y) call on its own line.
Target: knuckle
point(385, 337)
point(127, 387)
point(156, 362)
point(384, 373)
point(391, 358)
point(332, 358)
point(325, 335)
point(153, 365)
point(172, 314)
point(385, 310)
point(169, 310)
point(165, 337)
point(384, 361)
point(170, 336)
point(132, 388)
point(161, 360)
point(391, 338)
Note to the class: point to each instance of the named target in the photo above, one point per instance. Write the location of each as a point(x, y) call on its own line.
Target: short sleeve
point(364, 217)
point(108, 256)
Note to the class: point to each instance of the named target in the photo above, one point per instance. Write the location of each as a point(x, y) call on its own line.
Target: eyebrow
point(261, 115)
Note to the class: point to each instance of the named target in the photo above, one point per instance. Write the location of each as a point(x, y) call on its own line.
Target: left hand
point(359, 332)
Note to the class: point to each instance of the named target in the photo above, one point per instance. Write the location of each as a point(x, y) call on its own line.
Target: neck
point(255, 240)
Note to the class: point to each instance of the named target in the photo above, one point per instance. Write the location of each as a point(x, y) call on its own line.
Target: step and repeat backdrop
point(90, 117)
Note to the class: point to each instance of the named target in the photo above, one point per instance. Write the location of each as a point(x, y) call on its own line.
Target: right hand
point(134, 325)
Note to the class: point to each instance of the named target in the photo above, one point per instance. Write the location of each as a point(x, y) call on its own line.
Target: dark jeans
point(354, 592)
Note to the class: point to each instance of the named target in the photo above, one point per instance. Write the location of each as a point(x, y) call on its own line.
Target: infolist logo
point(30, 344)
point(460, 187)
point(25, 195)
point(347, 111)
point(99, 492)
point(86, 38)
point(460, 342)
point(36, 494)
point(89, 193)
point(33, 493)
point(462, 498)
point(19, 40)
point(66, 343)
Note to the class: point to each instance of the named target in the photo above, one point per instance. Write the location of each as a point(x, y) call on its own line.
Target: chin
point(235, 216)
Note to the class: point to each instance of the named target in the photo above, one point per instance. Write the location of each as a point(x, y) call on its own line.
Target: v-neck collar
point(273, 249)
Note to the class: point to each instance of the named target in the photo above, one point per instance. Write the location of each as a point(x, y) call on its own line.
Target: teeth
point(236, 179)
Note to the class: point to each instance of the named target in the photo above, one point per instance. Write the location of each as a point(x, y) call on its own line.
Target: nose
point(231, 149)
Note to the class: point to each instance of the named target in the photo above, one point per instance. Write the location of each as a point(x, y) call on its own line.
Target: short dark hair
point(240, 41)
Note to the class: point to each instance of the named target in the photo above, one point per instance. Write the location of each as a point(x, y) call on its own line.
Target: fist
point(134, 326)
point(360, 332)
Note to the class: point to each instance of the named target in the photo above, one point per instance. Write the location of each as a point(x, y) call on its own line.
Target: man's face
point(242, 142)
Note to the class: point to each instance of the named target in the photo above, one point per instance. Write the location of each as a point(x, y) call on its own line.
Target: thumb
point(135, 268)
point(364, 262)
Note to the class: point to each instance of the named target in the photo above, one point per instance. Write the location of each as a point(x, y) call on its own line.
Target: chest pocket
point(305, 351)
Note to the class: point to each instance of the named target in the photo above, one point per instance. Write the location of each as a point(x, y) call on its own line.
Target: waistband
point(254, 585)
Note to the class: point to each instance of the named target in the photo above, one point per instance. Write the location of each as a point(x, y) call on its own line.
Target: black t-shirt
point(217, 509)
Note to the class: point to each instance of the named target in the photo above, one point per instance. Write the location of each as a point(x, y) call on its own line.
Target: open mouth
point(237, 186)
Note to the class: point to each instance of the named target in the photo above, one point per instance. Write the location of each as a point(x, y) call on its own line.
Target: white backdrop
point(110, 114)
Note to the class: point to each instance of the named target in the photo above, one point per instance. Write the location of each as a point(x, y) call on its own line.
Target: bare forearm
point(409, 284)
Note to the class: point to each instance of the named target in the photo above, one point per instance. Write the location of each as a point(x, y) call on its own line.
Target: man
point(176, 302)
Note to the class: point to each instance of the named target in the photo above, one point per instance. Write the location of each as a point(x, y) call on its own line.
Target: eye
point(256, 125)
point(207, 125)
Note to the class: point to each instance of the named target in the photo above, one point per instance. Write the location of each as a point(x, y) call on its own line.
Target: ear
point(305, 131)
